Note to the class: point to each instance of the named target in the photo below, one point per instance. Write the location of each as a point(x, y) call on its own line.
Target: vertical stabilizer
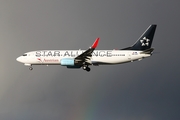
point(145, 40)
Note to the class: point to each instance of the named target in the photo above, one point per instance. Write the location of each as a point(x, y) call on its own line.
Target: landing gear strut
point(30, 68)
point(86, 68)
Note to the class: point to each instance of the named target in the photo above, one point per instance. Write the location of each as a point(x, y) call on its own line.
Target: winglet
point(95, 43)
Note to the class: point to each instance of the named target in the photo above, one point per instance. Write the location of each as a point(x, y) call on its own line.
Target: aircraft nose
point(19, 59)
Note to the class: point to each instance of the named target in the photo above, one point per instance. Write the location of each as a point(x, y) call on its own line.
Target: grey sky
point(146, 90)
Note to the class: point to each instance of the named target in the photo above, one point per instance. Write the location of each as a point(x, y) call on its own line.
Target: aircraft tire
point(88, 69)
point(30, 68)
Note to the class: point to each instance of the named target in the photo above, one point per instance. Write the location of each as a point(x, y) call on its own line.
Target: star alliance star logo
point(144, 41)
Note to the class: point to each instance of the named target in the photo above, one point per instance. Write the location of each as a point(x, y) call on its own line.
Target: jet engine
point(67, 62)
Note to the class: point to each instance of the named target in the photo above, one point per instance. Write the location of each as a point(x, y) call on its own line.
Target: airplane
point(84, 58)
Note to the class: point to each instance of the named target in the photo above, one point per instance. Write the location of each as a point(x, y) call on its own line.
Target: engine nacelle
point(67, 62)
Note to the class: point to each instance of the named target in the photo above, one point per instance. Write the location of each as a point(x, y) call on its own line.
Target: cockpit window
point(24, 54)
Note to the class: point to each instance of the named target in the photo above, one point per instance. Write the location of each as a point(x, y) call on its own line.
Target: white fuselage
point(99, 57)
point(83, 58)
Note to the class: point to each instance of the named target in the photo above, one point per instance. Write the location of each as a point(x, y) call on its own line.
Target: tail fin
point(145, 40)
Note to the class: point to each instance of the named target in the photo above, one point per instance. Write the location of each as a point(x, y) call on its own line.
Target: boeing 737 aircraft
point(84, 58)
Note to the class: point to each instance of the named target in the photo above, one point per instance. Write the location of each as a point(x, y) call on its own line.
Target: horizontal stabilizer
point(148, 51)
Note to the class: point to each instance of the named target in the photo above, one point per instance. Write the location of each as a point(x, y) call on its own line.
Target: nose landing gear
point(30, 68)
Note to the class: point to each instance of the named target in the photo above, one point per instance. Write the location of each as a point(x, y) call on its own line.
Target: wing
point(85, 57)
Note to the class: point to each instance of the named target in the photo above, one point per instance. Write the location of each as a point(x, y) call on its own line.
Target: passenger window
point(25, 55)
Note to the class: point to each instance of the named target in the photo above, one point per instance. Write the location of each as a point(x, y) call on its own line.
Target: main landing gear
point(86, 68)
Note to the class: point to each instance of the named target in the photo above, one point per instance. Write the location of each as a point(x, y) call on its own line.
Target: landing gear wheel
point(30, 68)
point(88, 69)
point(85, 67)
